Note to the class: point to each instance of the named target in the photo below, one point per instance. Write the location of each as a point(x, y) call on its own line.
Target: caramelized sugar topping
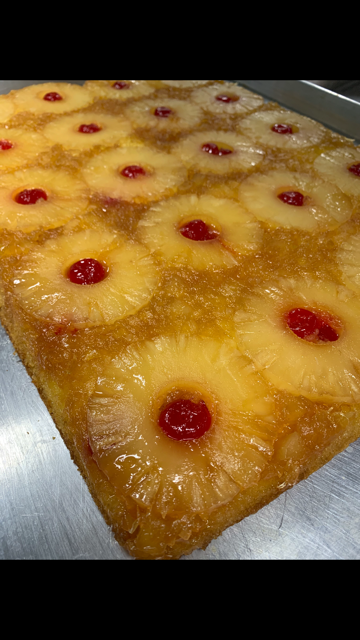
point(308, 326)
point(53, 97)
point(283, 129)
point(30, 196)
point(185, 420)
point(355, 169)
point(213, 149)
point(89, 128)
point(199, 231)
point(5, 145)
point(133, 172)
point(88, 271)
point(294, 198)
point(163, 112)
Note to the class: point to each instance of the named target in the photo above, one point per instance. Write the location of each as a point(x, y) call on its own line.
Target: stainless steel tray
point(46, 511)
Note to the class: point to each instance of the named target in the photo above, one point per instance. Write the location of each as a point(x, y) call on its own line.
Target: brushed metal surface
point(46, 511)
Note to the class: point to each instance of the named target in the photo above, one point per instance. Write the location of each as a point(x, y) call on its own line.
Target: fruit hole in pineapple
point(213, 149)
point(87, 272)
point(354, 169)
point(198, 231)
point(293, 198)
point(133, 172)
point(163, 112)
point(311, 327)
point(6, 145)
point(89, 128)
point(283, 129)
point(227, 98)
point(52, 97)
point(30, 196)
point(120, 85)
point(185, 420)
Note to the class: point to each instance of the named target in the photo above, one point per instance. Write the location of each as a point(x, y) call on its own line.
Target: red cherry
point(163, 112)
point(199, 231)
point(283, 129)
point(355, 169)
point(133, 172)
point(87, 271)
point(53, 97)
point(5, 145)
point(89, 128)
point(185, 420)
point(214, 150)
point(294, 198)
point(30, 196)
point(121, 84)
point(306, 324)
point(227, 99)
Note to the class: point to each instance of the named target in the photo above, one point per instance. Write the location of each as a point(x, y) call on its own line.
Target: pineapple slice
point(218, 152)
point(185, 84)
point(303, 336)
point(295, 201)
point(40, 198)
point(342, 167)
point(83, 131)
point(134, 174)
point(51, 97)
point(119, 89)
point(175, 469)
point(197, 230)
point(164, 115)
point(349, 261)
point(86, 279)
point(227, 99)
point(282, 129)
point(19, 147)
point(7, 108)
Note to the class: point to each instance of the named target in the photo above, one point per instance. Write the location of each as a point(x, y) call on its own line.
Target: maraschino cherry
point(88, 271)
point(30, 196)
point(6, 145)
point(89, 128)
point(226, 98)
point(163, 112)
point(133, 172)
point(355, 169)
point(121, 84)
point(283, 129)
point(53, 97)
point(199, 231)
point(294, 198)
point(308, 326)
point(213, 149)
point(185, 420)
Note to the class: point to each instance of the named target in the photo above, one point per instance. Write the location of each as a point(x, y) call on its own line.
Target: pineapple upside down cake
point(180, 274)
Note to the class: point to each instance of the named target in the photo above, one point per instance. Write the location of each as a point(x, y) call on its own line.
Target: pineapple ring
point(7, 108)
point(238, 230)
point(65, 131)
point(244, 156)
point(259, 125)
point(349, 260)
point(185, 84)
point(27, 145)
point(67, 198)
point(325, 206)
point(32, 98)
point(162, 474)
point(105, 89)
point(245, 101)
point(327, 372)
point(333, 166)
point(164, 174)
point(44, 290)
point(184, 116)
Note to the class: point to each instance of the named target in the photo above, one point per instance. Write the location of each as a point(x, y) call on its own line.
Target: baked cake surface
point(198, 307)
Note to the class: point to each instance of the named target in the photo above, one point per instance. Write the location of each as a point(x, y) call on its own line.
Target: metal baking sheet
point(46, 511)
